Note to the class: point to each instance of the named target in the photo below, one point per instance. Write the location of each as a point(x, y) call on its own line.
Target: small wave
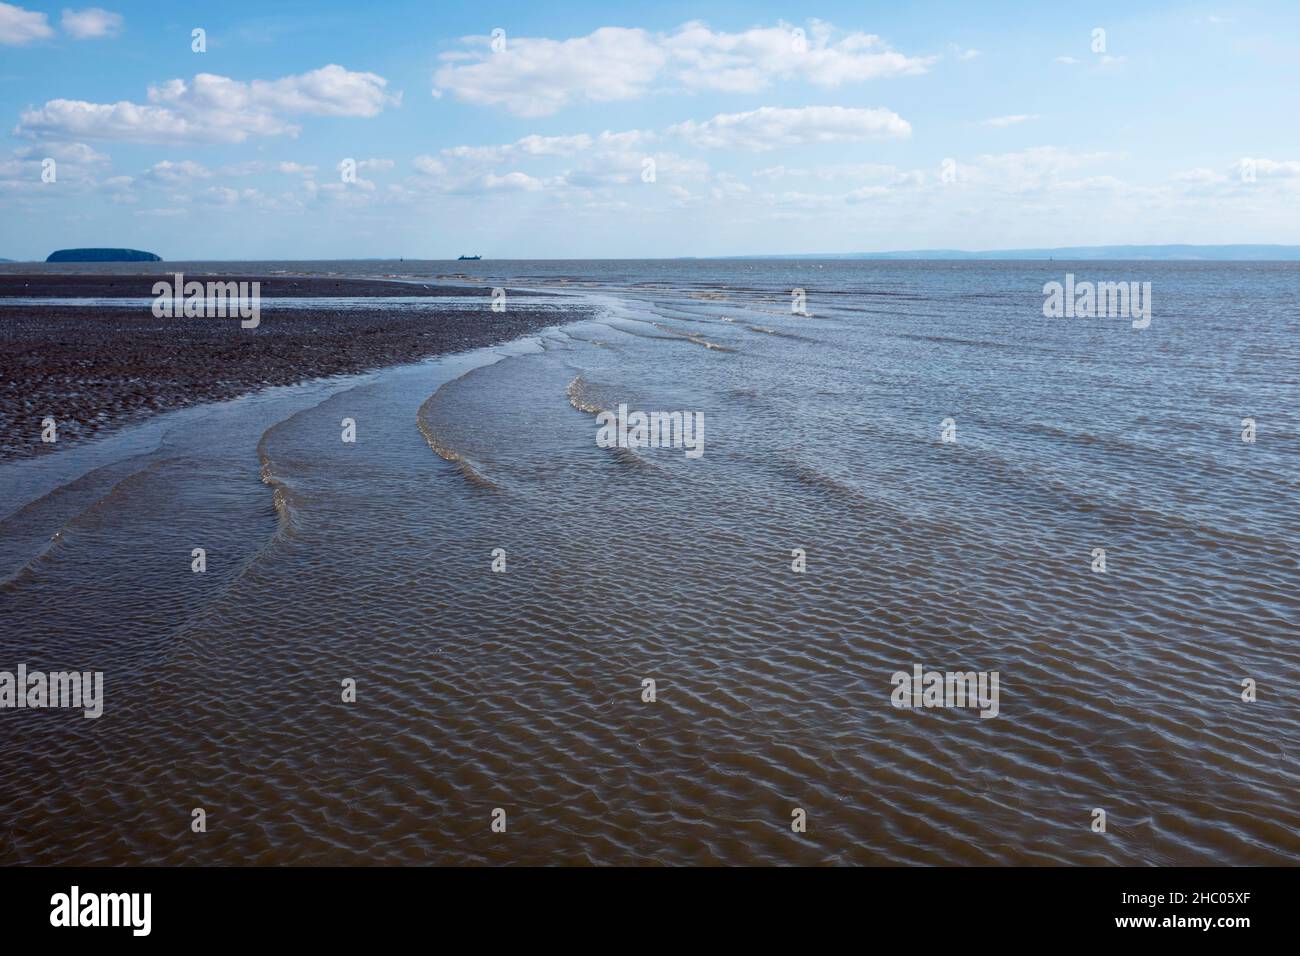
point(953, 340)
point(470, 473)
point(598, 343)
point(778, 333)
point(283, 498)
point(690, 337)
point(117, 491)
point(444, 451)
point(630, 458)
point(579, 392)
point(580, 396)
point(813, 478)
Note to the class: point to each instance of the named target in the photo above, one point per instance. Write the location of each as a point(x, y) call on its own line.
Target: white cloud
point(538, 76)
point(348, 194)
point(866, 193)
point(132, 122)
point(359, 182)
point(535, 76)
point(830, 173)
point(248, 167)
point(219, 196)
point(1067, 60)
point(213, 109)
point(170, 173)
point(801, 200)
point(91, 22)
point(76, 163)
point(751, 61)
point(553, 145)
point(1011, 120)
point(512, 181)
point(1200, 177)
point(63, 152)
point(770, 127)
point(1040, 167)
point(528, 146)
point(577, 165)
point(429, 166)
point(619, 167)
point(1236, 175)
point(119, 189)
point(1272, 167)
point(19, 26)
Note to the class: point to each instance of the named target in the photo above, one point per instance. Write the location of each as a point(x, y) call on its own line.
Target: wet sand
point(95, 368)
point(54, 285)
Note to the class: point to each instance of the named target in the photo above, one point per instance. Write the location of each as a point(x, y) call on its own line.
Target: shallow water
point(521, 690)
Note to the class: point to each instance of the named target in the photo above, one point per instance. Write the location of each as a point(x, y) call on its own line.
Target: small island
point(102, 255)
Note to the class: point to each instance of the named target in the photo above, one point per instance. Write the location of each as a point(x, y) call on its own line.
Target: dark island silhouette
point(102, 255)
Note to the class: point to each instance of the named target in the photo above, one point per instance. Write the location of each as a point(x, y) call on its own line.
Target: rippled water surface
point(522, 689)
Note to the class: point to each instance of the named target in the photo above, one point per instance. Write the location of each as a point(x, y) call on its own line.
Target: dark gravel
point(96, 369)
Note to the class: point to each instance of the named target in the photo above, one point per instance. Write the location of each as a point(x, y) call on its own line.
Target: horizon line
point(1217, 251)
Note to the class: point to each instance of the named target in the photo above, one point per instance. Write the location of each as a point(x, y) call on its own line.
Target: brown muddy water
point(521, 689)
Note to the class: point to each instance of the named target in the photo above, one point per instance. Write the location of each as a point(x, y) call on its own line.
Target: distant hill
point(1166, 252)
point(6, 260)
point(102, 255)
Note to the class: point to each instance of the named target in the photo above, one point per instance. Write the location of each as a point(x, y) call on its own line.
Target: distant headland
point(1225, 253)
point(102, 255)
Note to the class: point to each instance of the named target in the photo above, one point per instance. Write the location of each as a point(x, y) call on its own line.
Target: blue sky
point(646, 129)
